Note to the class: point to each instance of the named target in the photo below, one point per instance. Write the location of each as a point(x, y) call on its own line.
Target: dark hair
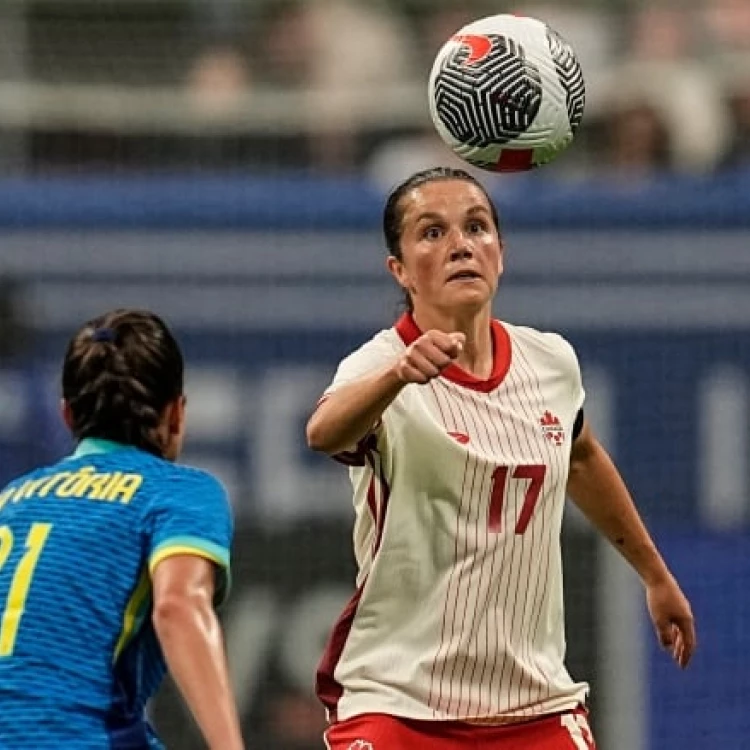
point(121, 370)
point(393, 213)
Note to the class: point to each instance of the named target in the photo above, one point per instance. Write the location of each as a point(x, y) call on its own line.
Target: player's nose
point(461, 251)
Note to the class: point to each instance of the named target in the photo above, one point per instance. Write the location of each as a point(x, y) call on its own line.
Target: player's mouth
point(464, 275)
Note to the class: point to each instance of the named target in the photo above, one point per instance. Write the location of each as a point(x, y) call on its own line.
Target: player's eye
point(432, 232)
point(476, 226)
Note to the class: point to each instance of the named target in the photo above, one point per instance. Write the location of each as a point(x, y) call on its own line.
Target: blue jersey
point(79, 658)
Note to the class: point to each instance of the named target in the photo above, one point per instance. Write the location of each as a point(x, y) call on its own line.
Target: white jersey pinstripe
point(459, 494)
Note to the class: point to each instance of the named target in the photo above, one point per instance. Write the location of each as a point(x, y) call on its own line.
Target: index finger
point(449, 343)
point(458, 338)
point(438, 337)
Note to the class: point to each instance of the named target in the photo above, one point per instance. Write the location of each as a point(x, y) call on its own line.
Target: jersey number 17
point(534, 473)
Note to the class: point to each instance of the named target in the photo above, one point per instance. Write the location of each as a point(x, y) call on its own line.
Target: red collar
point(409, 332)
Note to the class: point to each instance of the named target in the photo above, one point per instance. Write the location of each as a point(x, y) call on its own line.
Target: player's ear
point(176, 416)
point(397, 269)
point(67, 413)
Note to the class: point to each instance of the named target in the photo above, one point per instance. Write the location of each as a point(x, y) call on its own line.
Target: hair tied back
point(103, 334)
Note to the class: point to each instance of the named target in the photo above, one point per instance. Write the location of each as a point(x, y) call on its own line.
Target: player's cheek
point(426, 264)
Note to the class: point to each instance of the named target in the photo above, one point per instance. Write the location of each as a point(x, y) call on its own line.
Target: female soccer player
point(464, 435)
point(112, 560)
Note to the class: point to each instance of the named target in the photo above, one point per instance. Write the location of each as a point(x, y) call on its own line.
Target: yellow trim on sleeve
point(166, 552)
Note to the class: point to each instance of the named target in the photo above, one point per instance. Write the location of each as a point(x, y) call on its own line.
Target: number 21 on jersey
point(20, 581)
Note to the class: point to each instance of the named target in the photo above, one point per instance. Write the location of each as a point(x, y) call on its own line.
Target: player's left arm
point(596, 487)
point(189, 528)
point(193, 645)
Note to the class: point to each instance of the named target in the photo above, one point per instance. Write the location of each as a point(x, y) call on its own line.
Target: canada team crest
point(552, 428)
point(361, 745)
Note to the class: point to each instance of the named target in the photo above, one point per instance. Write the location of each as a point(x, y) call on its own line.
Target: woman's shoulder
point(550, 343)
point(534, 334)
point(375, 353)
point(386, 342)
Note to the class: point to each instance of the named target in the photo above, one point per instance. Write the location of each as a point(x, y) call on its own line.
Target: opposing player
point(112, 560)
point(464, 434)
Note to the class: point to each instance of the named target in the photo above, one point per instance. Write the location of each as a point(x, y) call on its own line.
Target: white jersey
point(459, 494)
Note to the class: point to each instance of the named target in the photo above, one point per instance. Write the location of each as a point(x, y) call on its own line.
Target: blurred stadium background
point(224, 163)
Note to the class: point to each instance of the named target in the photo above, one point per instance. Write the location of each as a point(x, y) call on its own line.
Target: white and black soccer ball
point(506, 93)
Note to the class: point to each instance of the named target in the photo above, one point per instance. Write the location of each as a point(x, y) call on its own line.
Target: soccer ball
point(506, 93)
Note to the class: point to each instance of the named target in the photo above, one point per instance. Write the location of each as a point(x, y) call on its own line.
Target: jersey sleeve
point(191, 515)
point(573, 371)
point(373, 356)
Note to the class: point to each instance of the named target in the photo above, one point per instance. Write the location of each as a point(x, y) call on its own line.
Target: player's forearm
point(192, 642)
point(596, 487)
point(349, 413)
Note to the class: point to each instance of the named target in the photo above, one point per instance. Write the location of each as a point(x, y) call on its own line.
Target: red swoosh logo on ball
point(480, 46)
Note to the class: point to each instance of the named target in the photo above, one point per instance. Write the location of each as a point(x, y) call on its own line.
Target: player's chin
point(474, 293)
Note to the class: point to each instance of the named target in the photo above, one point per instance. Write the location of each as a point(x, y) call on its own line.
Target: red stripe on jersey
point(327, 688)
point(349, 458)
point(555, 461)
point(440, 686)
point(378, 487)
point(372, 503)
point(512, 676)
point(358, 457)
point(409, 332)
point(385, 495)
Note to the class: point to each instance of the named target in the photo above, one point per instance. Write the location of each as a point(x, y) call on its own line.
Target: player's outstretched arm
point(193, 646)
point(599, 491)
point(347, 414)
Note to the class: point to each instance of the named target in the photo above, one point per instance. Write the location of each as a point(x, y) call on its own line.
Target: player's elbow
point(178, 611)
point(315, 437)
point(323, 440)
point(318, 435)
point(331, 432)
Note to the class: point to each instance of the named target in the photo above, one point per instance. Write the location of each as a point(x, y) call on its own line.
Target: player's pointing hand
point(429, 355)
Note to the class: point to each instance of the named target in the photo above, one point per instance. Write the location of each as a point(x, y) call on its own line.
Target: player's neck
point(477, 356)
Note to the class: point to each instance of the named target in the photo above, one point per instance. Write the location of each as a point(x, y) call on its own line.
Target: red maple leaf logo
point(552, 428)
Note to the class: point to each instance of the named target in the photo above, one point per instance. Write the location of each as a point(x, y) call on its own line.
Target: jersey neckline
point(409, 331)
point(90, 446)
